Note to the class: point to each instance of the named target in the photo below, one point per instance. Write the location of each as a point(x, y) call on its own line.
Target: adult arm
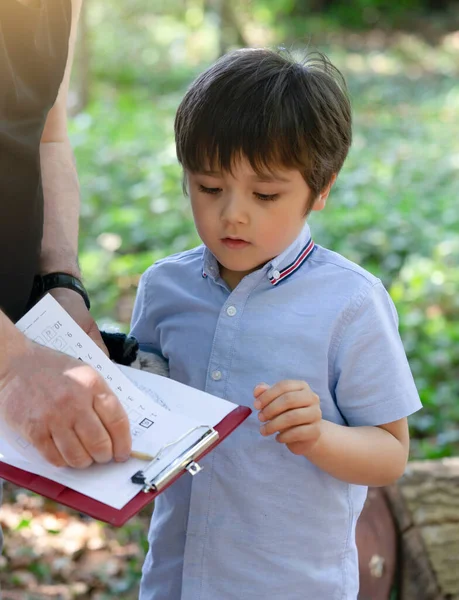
point(60, 405)
point(59, 251)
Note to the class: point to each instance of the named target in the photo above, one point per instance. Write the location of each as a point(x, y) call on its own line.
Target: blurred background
point(394, 208)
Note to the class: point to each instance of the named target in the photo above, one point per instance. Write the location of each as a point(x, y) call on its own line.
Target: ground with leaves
point(52, 552)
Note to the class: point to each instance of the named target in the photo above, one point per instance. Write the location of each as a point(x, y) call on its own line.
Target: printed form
point(160, 412)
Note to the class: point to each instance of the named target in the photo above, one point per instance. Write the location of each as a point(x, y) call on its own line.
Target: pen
point(141, 455)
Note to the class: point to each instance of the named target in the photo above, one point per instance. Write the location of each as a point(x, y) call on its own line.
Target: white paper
point(160, 412)
point(179, 398)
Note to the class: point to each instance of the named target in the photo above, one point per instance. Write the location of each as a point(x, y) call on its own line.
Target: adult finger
point(94, 437)
point(72, 450)
point(50, 452)
point(276, 390)
point(116, 422)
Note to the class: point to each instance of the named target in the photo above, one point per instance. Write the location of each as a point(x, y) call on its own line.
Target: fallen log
point(408, 535)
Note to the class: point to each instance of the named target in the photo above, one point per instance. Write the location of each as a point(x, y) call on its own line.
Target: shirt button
point(216, 375)
point(231, 311)
point(275, 274)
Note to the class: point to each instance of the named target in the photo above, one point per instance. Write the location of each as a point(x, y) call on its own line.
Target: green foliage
point(393, 211)
point(426, 293)
point(300, 20)
point(133, 211)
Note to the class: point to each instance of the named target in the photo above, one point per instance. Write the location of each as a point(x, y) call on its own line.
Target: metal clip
point(184, 462)
point(193, 468)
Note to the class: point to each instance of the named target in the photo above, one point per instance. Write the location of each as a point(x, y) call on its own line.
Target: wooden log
point(425, 505)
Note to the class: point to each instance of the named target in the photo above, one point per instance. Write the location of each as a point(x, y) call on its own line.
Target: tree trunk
point(81, 79)
point(230, 31)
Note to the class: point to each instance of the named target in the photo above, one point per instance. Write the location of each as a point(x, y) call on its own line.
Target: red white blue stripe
point(277, 276)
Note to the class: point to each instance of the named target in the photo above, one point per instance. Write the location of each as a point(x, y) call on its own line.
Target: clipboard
point(149, 489)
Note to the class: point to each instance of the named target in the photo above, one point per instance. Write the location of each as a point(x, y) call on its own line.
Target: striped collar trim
point(275, 276)
point(279, 268)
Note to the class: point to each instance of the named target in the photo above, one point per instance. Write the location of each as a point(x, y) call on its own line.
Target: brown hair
point(272, 110)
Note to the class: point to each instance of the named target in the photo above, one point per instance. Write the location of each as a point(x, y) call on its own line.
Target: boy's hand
point(292, 410)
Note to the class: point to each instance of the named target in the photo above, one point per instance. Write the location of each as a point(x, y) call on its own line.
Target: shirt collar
point(280, 267)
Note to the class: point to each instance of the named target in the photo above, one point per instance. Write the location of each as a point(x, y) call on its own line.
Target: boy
point(261, 139)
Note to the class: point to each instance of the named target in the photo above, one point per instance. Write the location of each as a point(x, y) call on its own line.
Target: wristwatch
point(50, 281)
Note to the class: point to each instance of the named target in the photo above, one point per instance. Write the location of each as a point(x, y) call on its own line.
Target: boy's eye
point(266, 196)
point(207, 190)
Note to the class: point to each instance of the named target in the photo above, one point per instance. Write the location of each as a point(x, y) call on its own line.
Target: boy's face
point(246, 219)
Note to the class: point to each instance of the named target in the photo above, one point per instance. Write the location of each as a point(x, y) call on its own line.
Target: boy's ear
point(321, 199)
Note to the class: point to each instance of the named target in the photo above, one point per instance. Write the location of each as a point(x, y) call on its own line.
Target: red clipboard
point(117, 517)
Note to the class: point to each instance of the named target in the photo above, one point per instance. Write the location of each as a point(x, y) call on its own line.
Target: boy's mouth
point(234, 243)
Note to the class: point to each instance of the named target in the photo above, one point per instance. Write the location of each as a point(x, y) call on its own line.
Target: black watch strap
point(50, 281)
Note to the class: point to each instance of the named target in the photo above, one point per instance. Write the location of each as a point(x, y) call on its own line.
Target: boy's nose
point(235, 210)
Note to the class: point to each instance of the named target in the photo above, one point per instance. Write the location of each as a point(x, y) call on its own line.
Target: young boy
point(262, 316)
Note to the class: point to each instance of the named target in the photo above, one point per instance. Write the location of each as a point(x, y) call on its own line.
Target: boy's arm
point(372, 388)
point(374, 456)
point(363, 455)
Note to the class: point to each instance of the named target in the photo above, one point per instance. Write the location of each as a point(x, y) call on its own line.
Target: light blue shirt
point(259, 522)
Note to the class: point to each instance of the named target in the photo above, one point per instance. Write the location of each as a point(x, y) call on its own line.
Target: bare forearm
point(61, 208)
point(60, 179)
point(360, 455)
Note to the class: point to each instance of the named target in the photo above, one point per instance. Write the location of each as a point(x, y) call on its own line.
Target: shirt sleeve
point(143, 325)
point(373, 380)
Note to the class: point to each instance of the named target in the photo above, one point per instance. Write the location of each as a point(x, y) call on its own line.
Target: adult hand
point(292, 410)
point(74, 304)
point(63, 407)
